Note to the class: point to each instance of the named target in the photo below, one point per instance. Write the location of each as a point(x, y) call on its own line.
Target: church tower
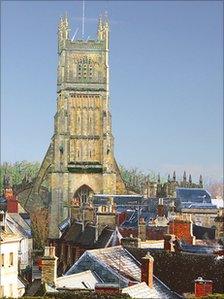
point(80, 160)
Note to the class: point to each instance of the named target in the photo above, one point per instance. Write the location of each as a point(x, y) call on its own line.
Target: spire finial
point(174, 176)
point(184, 176)
point(83, 18)
point(168, 178)
point(190, 179)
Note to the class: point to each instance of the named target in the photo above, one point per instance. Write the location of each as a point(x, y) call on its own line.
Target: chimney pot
point(202, 287)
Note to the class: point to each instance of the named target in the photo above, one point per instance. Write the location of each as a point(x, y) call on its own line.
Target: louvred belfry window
point(85, 68)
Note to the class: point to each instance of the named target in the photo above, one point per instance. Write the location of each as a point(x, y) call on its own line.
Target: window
point(2, 262)
point(11, 259)
point(90, 154)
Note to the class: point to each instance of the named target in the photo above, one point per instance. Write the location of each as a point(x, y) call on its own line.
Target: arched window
point(82, 194)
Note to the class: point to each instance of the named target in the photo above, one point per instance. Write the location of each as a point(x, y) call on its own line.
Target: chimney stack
point(202, 287)
point(142, 229)
point(12, 202)
point(160, 208)
point(147, 270)
point(182, 228)
point(169, 242)
point(131, 242)
point(49, 266)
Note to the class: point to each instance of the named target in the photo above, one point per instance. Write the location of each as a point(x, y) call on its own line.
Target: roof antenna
point(76, 31)
point(83, 18)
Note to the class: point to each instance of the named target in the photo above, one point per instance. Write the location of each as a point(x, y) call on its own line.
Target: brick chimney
point(12, 202)
point(142, 229)
point(182, 228)
point(49, 266)
point(147, 270)
point(169, 242)
point(160, 208)
point(202, 287)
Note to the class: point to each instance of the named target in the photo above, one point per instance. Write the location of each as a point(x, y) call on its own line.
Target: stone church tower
point(80, 160)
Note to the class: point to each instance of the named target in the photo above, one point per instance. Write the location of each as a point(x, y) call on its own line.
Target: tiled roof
point(142, 291)
point(73, 233)
point(123, 268)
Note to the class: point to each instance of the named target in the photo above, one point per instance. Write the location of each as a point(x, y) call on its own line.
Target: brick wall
point(182, 229)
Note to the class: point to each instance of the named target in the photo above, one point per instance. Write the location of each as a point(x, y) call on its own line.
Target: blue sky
point(166, 80)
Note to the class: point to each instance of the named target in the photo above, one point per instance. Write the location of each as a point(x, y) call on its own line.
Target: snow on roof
point(20, 284)
point(118, 258)
point(141, 290)
point(83, 280)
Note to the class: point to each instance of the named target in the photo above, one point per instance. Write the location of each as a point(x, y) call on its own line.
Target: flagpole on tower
point(83, 18)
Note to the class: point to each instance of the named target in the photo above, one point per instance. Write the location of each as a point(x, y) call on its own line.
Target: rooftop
point(117, 265)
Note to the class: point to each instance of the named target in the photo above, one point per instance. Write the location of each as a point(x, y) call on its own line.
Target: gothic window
point(90, 154)
point(83, 193)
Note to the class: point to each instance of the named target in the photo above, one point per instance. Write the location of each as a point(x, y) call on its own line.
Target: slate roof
point(201, 232)
point(88, 236)
point(142, 291)
point(194, 196)
point(121, 265)
point(100, 199)
point(83, 280)
point(20, 224)
point(104, 238)
point(64, 224)
point(132, 221)
point(73, 233)
point(200, 249)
